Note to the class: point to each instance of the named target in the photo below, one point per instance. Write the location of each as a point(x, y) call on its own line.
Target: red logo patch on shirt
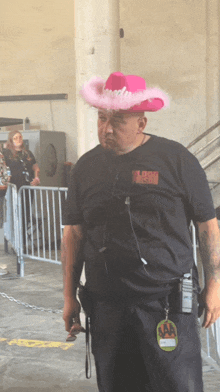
point(145, 177)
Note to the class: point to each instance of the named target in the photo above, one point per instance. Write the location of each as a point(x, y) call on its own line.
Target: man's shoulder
point(87, 165)
point(172, 144)
point(171, 148)
point(177, 154)
point(90, 156)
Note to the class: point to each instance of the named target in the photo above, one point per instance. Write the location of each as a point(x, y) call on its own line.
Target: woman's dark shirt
point(22, 162)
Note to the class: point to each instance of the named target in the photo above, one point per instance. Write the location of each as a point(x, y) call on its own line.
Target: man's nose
point(108, 127)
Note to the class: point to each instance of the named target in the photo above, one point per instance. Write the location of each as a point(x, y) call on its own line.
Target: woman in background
point(22, 163)
point(24, 171)
point(3, 187)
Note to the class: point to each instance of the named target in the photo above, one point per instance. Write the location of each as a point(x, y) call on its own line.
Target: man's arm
point(72, 269)
point(209, 244)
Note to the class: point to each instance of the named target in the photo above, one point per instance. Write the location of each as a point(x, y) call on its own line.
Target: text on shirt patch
point(145, 177)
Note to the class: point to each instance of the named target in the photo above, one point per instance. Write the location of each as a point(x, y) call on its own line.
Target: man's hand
point(210, 296)
point(71, 316)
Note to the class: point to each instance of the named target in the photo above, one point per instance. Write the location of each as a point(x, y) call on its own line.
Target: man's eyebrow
point(113, 117)
point(118, 116)
point(102, 114)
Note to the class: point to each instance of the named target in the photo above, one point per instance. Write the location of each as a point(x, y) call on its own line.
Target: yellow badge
point(167, 335)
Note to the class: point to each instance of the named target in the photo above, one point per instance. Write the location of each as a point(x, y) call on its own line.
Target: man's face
point(120, 131)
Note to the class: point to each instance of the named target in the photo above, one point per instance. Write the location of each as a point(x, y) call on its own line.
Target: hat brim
point(151, 99)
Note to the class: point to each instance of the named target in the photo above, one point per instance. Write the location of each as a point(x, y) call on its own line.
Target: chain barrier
point(30, 306)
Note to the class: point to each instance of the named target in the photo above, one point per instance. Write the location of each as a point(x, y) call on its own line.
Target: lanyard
point(88, 358)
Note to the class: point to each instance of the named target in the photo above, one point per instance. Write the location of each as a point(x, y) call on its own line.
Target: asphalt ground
point(34, 354)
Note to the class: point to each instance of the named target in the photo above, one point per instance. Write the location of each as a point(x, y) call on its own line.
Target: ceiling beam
point(37, 97)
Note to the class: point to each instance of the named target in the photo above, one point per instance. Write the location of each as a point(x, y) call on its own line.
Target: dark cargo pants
point(128, 357)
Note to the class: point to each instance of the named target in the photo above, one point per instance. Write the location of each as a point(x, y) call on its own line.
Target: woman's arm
point(36, 170)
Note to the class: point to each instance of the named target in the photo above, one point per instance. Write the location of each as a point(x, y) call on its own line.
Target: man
point(130, 203)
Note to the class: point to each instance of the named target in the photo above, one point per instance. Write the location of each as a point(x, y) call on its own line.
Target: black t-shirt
point(20, 164)
point(138, 205)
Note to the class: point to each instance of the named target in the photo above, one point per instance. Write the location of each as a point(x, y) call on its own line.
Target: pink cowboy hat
point(123, 93)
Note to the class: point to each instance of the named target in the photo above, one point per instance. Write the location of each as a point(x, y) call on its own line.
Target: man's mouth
point(109, 140)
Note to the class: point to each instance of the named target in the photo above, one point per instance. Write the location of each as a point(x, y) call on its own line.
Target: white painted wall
point(38, 57)
point(175, 44)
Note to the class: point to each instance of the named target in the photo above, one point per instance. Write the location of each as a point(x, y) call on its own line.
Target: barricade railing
point(40, 224)
point(11, 224)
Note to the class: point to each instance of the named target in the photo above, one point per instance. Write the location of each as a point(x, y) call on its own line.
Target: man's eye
point(116, 122)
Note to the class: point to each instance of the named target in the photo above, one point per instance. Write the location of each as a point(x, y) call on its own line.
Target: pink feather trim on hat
point(96, 95)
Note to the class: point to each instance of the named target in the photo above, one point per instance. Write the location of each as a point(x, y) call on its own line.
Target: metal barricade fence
point(11, 230)
point(40, 224)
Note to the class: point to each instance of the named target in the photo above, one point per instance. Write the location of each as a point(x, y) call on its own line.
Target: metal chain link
point(30, 306)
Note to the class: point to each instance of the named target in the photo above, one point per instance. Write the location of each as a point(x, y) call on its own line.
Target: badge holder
point(167, 333)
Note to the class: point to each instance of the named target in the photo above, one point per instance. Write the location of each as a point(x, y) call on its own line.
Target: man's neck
point(141, 139)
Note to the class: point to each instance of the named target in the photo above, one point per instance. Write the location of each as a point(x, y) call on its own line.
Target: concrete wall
point(37, 39)
point(37, 57)
point(2, 236)
point(174, 44)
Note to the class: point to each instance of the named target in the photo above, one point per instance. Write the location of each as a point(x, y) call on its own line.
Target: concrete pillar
point(1, 236)
point(97, 53)
point(212, 63)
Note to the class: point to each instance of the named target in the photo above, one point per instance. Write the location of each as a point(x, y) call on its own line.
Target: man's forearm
point(71, 259)
point(209, 243)
point(209, 239)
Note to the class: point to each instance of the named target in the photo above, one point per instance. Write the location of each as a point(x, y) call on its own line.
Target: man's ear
point(142, 121)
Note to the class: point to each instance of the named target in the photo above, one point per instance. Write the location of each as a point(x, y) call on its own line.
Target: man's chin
point(109, 145)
